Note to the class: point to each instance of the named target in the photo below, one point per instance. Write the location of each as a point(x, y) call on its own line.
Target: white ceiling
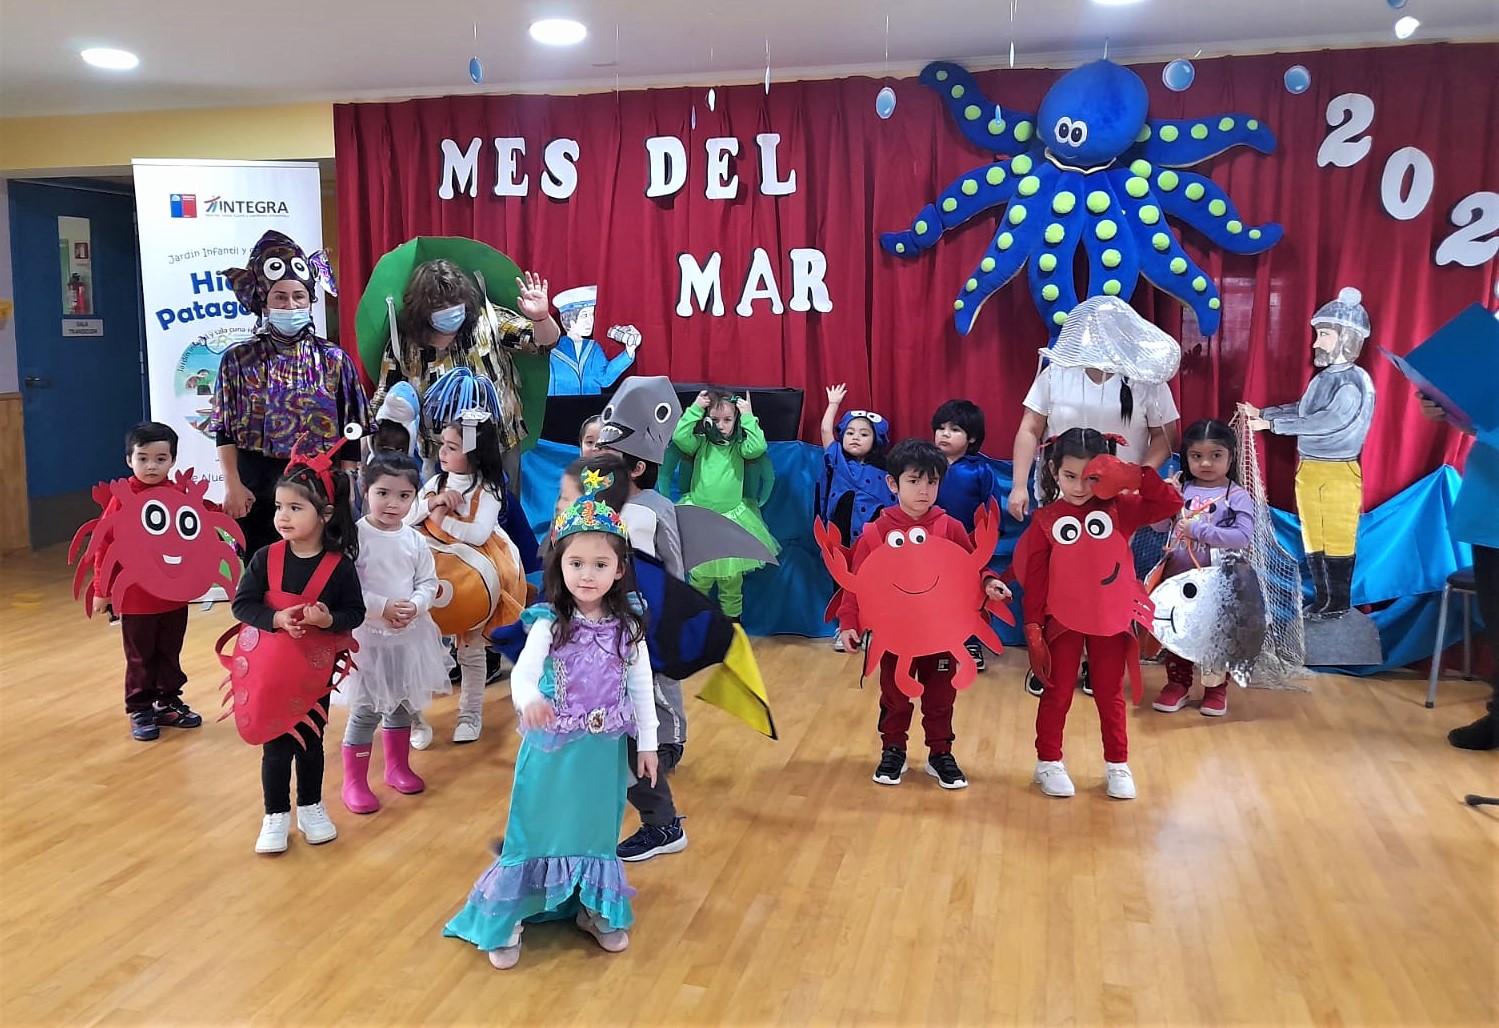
point(198, 53)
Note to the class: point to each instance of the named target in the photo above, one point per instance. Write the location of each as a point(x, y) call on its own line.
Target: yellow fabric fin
point(735, 686)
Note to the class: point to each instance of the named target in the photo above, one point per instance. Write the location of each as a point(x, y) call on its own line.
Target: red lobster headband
point(276, 681)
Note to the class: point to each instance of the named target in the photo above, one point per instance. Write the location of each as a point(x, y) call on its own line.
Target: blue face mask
point(449, 320)
point(288, 323)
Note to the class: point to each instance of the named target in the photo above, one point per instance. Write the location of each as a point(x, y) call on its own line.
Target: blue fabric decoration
point(1089, 169)
point(1410, 532)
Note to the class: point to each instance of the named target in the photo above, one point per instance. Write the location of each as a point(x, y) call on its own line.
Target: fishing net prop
point(1281, 663)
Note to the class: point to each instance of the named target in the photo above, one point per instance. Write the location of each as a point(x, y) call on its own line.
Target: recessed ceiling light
point(1115, 3)
point(1406, 27)
point(114, 60)
point(558, 31)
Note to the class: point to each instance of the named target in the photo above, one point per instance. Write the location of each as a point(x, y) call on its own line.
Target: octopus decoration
point(169, 542)
point(1088, 169)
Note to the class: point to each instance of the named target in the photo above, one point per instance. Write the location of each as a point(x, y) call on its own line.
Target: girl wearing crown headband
point(306, 586)
point(282, 384)
point(581, 686)
point(481, 582)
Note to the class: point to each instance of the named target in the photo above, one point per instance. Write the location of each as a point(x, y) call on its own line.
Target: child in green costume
point(720, 435)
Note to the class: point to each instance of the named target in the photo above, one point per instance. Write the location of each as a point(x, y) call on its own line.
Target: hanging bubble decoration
point(1397, 4)
point(1178, 75)
point(476, 71)
point(1298, 79)
point(884, 102)
point(712, 99)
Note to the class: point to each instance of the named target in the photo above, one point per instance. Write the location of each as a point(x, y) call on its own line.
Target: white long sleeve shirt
point(394, 565)
point(525, 681)
point(475, 524)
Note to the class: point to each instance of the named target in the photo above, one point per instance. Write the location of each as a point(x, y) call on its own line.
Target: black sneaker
point(1033, 684)
point(494, 667)
point(143, 726)
point(652, 841)
point(1482, 734)
point(977, 653)
point(177, 715)
point(892, 766)
point(945, 769)
point(1085, 679)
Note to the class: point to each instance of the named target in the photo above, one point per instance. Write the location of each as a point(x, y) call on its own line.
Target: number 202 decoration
point(1406, 186)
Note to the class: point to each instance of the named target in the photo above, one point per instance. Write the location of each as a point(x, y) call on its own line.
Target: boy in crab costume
point(914, 472)
point(155, 548)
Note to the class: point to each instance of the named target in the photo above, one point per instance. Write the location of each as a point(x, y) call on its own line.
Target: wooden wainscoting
point(15, 526)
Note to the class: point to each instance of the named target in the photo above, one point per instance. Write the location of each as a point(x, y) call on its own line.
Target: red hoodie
point(892, 519)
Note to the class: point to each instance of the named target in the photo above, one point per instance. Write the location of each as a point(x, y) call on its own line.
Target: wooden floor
point(1306, 859)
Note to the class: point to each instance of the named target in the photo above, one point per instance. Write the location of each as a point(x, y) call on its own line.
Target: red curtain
point(889, 334)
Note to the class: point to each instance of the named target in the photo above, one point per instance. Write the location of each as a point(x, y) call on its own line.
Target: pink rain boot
point(356, 791)
point(398, 773)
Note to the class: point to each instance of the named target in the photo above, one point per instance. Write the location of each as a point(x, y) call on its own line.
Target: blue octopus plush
point(1090, 169)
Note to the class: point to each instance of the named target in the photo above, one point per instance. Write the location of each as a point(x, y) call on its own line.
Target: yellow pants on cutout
point(1329, 497)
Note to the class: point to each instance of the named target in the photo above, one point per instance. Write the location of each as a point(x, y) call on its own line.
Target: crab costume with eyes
point(1075, 565)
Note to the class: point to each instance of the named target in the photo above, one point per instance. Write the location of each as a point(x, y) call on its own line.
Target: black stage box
point(779, 411)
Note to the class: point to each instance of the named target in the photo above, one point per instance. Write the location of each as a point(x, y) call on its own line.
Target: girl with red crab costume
point(1075, 565)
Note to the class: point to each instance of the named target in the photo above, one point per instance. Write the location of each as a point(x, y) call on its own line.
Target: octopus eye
point(187, 523)
point(1067, 530)
point(155, 518)
point(299, 268)
point(918, 536)
point(1079, 134)
point(663, 411)
point(1189, 590)
point(1098, 525)
point(896, 539)
point(1063, 131)
point(274, 268)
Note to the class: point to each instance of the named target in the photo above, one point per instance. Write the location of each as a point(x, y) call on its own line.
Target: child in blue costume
point(853, 489)
point(958, 431)
point(721, 435)
point(581, 685)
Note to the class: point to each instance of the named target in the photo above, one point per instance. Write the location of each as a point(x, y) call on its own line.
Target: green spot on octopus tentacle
point(1169, 133)
point(1235, 227)
point(1149, 214)
point(1195, 191)
point(920, 227)
point(1047, 262)
point(972, 112)
point(970, 187)
point(1050, 292)
point(996, 127)
point(1017, 214)
point(1055, 233)
point(1022, 164)
point(949, 205)
point(1064, 202)
point(1199, 131)
point(1215, 303)
point(1217, 208)
point(1168, 180)
point(1225, 124)
point(1161, 241)
point(1098, 201)
point(1028, 186)
point(1059, 318)
point(957, 92)
point(986, 265)
point(1200, 284)
point(1005, 241)
point(1178, 265)
point(1143, 134)
point(1113, 287)
point(1112, 258)
point(1137, 188)
point(1023, 131)
point(971, 285)
point(1106, 229)
point(995, 175)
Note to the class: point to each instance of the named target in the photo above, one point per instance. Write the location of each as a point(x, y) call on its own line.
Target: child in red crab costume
point(1075, 565)
point(914, 472)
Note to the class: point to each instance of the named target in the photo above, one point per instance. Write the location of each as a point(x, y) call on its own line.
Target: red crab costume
point(917, 586)
point(1075, 565)
point(152, 551)
point(280, 680)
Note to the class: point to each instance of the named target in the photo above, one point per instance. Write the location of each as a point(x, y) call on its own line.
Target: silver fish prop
point(1213, 616)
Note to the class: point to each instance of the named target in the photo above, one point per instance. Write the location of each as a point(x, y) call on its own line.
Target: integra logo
point(225, 207)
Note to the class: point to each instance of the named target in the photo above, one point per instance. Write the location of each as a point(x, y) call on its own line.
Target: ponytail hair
point(1084, 443)
point(1126, 401)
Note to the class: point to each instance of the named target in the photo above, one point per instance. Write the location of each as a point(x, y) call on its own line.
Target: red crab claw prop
point(1113, 475)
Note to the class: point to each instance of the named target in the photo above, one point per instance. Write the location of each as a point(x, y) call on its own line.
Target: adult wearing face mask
point(445, 323)
point(284, 384)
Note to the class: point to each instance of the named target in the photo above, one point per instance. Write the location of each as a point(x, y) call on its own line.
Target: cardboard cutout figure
point(579, 366)
point(167, 541)
point(1330, 423)
point(920, 596)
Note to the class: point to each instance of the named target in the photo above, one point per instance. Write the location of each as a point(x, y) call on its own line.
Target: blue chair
point(1460, 581)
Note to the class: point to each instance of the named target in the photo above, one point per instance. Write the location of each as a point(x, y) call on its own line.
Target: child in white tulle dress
point(400, 658)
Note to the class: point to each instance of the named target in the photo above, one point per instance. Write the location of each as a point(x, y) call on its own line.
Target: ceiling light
point(1115, 3)
point(1406, 27)
point(114, 60)
point(558, 31)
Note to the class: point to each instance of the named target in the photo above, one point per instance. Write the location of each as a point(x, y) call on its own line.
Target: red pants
point(937, 695)
point(1106, 659)
point(153, 649)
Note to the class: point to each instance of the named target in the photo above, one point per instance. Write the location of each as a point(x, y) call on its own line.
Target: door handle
point(38, 382)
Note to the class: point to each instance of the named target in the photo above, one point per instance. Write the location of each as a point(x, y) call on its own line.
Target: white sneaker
point(273, 829)
point(314, 824)
point(421, 733)
point(838, 645)
point(1121, 782)
point(467, 730)
point(1052, 777)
